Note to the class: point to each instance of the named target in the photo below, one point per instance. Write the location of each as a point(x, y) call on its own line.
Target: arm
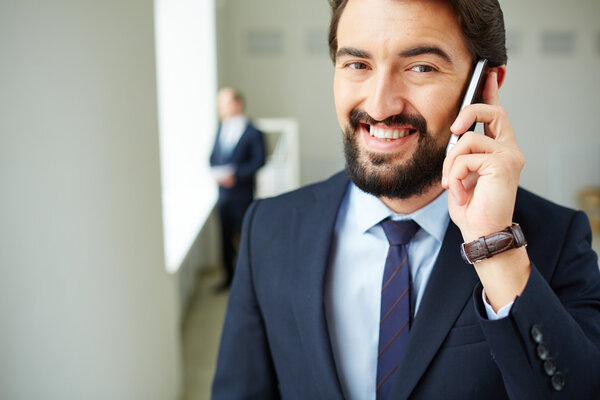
point(482, 174)
point(244, 366)
point(255, 156)
point(566, 311)
point(213, 153)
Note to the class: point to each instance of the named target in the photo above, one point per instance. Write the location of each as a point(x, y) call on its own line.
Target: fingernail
point(456, 125)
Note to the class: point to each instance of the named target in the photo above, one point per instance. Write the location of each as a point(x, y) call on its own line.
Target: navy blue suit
point(246, 158)
point(275, 341)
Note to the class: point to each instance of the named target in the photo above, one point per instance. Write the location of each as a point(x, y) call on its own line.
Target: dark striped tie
point(394, 322)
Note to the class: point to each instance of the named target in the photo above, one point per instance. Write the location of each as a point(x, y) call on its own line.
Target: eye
point(423, 68)
point(356, 65)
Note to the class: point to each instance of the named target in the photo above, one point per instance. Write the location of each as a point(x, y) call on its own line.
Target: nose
point(385, 95)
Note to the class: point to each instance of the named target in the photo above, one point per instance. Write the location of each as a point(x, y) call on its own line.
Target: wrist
point(485, 247)
point(470, 235)
point(505, 276)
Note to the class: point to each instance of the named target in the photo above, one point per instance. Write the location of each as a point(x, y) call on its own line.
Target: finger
point(470, 143)
point(490, 90)
point(484, 113)
point(494, 117)
point(460, 177)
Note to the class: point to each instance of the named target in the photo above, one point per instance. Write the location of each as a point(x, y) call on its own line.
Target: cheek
point(440, 111)
point(343, 100)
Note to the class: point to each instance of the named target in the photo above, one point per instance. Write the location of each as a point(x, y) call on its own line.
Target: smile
point(387, 133)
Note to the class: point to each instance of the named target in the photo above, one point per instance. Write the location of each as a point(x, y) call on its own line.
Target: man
point(237, 155)
point(306, 316)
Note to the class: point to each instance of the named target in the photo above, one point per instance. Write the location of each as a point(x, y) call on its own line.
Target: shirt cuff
point(491, 314)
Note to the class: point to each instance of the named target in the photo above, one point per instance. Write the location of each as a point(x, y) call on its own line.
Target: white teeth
point(388, 133)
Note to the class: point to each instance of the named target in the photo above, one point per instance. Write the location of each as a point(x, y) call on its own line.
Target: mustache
point(415, 120)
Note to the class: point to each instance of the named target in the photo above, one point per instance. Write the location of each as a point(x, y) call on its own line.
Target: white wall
point(87, 310)
point(552, 100)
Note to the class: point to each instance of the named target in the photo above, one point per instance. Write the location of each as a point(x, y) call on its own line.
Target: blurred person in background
point(237, 155)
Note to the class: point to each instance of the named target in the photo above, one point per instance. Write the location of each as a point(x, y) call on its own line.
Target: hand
point(227, 182)
point(482, 174)
point(482, 171)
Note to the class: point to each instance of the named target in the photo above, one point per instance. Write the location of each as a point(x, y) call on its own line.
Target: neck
point(412, 204)
point(232, 117)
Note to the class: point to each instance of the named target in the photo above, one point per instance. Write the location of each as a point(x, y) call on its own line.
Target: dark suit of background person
point(245, 158)
point(396, 70)
point(276, 343)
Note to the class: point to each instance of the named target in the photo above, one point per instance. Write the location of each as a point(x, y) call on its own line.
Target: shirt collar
point(368, 211)
point(238, 119)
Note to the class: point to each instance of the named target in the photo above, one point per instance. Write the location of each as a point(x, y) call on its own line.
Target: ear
point(500, 73)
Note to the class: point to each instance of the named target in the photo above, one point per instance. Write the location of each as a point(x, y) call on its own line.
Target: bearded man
point(414, 273)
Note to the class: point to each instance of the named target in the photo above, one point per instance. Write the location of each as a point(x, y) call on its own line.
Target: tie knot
point(399, 232)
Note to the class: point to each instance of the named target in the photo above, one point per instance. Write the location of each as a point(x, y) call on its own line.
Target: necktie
point(395, 302)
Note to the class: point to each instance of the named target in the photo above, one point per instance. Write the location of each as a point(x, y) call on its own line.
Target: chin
point(386, 175)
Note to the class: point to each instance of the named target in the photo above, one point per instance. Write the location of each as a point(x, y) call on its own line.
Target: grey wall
point(286, 76)
point(87, 310)
point(551, 97)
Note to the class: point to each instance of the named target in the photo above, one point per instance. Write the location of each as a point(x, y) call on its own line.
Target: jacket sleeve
point(549, 345)
point(244, 365)
point(213, 154)
point(255, 159)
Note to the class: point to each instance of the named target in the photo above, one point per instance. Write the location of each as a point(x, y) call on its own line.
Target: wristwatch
point(490, 245)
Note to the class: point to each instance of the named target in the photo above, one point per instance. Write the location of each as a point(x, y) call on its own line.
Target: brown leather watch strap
point(490, 245)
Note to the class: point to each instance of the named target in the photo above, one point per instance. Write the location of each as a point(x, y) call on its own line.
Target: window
point(186, 85)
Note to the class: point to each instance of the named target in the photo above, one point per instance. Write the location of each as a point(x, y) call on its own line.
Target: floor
point(200, 336)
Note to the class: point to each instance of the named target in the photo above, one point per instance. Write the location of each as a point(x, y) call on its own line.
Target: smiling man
point(408, 275)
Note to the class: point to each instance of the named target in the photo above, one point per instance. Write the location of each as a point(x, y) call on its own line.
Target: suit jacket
point(247, 157)
point(275, 341)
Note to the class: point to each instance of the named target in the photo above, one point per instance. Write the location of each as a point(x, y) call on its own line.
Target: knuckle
point(520, 160)
point(501, 111)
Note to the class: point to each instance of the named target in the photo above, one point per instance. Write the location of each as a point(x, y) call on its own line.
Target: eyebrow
point(412, 52)
point(417, 51)
point(349, 51)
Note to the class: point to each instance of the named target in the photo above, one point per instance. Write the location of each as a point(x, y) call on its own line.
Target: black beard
point(379, 175)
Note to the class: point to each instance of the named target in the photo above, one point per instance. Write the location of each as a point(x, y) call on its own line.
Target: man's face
point(227, 104)
point(401, 67)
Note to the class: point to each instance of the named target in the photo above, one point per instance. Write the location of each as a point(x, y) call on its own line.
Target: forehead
point(226, 98)
point(226, 94)
point(394, 25)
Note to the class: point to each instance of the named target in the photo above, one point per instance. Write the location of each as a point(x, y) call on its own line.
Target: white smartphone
point(473, 95)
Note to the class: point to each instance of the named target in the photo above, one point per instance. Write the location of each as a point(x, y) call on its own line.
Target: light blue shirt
point(352, 300)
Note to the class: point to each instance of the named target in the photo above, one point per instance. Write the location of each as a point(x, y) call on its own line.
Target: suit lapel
point(312, 233)
point(243, 137)
point(450, 287)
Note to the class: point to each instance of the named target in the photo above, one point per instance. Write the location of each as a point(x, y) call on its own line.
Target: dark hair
point(481, 22)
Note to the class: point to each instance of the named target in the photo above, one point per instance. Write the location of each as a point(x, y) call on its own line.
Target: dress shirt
point(231, 132)
point(352, 293)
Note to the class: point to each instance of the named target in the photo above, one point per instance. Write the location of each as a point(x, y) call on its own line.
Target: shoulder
point(251, 128)
point(320, 195)
point(553, 232)
point(319, 191)
point(538, 211)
